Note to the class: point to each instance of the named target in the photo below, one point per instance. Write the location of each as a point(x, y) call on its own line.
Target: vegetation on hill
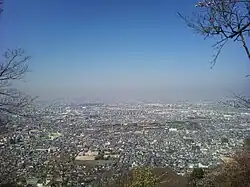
point(233, 174)
point(146, 176)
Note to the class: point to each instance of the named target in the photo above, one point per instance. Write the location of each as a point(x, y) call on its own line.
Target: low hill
point(166, 177)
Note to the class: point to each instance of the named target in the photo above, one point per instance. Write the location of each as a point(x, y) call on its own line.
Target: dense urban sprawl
point(79, 143)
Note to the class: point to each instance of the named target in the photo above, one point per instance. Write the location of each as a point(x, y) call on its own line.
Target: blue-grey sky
point(118, 50)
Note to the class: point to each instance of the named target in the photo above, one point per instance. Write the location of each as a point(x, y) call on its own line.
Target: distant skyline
point(119, 50)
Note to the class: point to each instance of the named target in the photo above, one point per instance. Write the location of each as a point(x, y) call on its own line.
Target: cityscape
point(128, 93)
point(101, 138)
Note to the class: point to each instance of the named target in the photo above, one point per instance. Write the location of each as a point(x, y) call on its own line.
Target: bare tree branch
point(13, 102)
point(242, 101)
point(225, 19)
point(1, 6)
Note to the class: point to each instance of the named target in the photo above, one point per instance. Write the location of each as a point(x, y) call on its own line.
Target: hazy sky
point(118, 49)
